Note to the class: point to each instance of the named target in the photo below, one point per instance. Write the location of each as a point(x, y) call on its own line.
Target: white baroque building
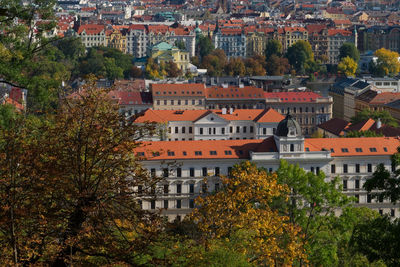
point(182, 125)
point(199, 164)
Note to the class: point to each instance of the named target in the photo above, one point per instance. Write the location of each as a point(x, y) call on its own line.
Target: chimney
point(241, 85)
point(224, 111)
point(230, 110)
point(378, 124)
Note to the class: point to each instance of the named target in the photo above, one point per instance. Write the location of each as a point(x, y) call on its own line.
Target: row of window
point(166, 204)
point(178, 188)
point(356, 168)
point(180, 102)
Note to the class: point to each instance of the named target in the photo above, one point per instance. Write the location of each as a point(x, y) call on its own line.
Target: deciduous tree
point(349, 50)
point(244, 205)
point(347, 66)
point(69, 186)
point(299, 54)
point(387, 62)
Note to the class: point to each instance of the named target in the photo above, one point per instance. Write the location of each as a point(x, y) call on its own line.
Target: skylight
point(228, 152)
point(197, 153)
point(213, 152)
point(359, 149)
point(372, 149)
point(345, 150)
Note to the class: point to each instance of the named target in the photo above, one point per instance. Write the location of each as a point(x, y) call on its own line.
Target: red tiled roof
point(293, 97)
point(258, 115)
point(368, 145)
point(385, 97)
point(335, 126)
point(184, 89)
point(332, 32)
point(91, 29)
point(132, 98)
point(221, 149)
point(295, 29)
point(235, 92)
point(240, 149)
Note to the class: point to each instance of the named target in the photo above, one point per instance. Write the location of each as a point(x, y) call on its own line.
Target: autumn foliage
point(243, 205)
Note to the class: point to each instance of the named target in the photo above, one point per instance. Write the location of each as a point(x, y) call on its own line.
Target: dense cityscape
point(199, 132)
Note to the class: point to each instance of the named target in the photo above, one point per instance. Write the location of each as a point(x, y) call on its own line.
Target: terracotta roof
point(234, 92)
point(332, 32)
point(17, 105)
point(239, 149)
point(91, 29)
point(293, 97)
point(315, 28)
point(184, 89)
point(132, 98)
point(295, 29)
point(230, 31)
point(202, 149)
point(366, 146)
point(258, 115)
point(385, 97)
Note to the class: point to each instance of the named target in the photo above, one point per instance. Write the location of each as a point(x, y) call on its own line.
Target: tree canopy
point(349, 50)
point(387, 63)
point(347, 66)
point(300, 55)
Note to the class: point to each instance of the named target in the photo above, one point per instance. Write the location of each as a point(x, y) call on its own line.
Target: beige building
point(178, 96)
point(292, 35)
point(308, 108)
point(92, 35)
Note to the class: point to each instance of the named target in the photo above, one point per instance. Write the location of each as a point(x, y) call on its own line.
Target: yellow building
point(164, 52)
point(116, 39)
point(256, 43)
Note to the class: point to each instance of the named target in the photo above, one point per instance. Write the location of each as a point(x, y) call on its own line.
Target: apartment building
point(92, 35)
point(231, 40)
point(181, 125)
point(335, 39)
point(237, 97)
point(199, 164)
point(308, 108)
point(292, 35)
point(178, 96)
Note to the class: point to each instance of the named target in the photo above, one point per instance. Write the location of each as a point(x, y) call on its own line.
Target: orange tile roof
point(295, 29)
point(91, 29)
point(368, 146)
point(332, 32)
point(239, 149)
point(293, 97)
point(258, 115)
point(201, 149)
point(385, 97)
point(182, 89)
point(235, 92)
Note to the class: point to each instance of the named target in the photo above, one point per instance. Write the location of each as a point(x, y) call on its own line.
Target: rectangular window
point(165, 204)
point(179, 188)
point(244, 129)
point(357, 184)
point(179, 172)
point(369, 167)
point(357, 168)
point(345, 168)
point(165, 172)
point(264, 131)
point(209, 131)
point(344, 184)
point(230, 129)
point(317, 170)
point(191, 188)
point(333, 168)
point(222, 130)
point(183, 129)
point(166, 189)
point(216, 171)
point(392, 212)
point(190, 129)
point(357, 198)
point(237, 129)
point(198, 153)
point(251, 129)
point(312, 169)
point(178, 203)
point(369, 198)
point(191, 172)
point(172, 102)
point(176, 130)
point(153, 204)
point(140, 189)
point(191, 203)
point(229, 170)
point(153, 172)
point(204, 170)
point(201, 130)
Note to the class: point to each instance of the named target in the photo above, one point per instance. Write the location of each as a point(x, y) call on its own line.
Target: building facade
point(201, 163)
point(178, 96)
point(308, 108)
point(222, 124)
